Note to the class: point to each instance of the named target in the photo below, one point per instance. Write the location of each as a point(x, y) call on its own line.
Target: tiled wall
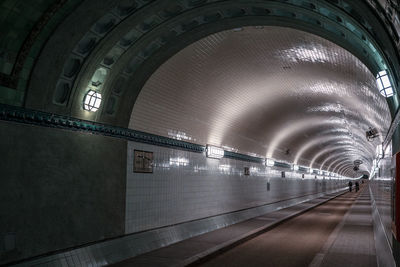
point(186, 195)
point(186, 186)
point(381, 188)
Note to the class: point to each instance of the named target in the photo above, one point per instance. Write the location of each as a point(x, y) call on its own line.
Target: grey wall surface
point(58, 189)
point(187, 186)
point(381, 187)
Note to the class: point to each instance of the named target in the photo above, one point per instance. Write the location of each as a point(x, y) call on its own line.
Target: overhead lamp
point(295, 167)
point(214, 152)
point(92, 101)
point(384, 85)
point(310, 170)
point(269, 162)
point(371, 134)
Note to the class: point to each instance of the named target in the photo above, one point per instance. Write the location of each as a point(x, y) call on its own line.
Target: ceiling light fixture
point(214, 152)
point(384, 85)
point(270, 162)
point(92, 101)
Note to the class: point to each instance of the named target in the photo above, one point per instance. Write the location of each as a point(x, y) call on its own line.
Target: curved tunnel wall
point(92, 196)
point(272, 91)
point(158, 30)
point(127, 48)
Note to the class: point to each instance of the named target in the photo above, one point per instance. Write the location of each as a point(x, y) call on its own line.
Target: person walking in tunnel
point(350, 185)
point(357, 186)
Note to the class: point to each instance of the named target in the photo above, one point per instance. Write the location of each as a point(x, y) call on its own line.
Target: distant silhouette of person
point(350, 185)
point(357, 186)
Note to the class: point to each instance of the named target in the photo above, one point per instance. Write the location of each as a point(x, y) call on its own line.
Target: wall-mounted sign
point(143, 161)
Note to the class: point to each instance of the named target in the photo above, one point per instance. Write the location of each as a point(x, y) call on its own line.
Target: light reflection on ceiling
point(338, 158)
point(313, 53)
point(339, 140)
point(271, 91)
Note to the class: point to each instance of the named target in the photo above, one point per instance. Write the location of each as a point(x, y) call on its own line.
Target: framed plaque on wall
point(143, 161)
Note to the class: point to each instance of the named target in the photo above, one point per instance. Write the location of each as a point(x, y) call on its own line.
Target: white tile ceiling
point(274, 91)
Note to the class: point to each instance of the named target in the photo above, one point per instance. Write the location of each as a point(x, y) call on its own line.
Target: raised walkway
point(352, 242)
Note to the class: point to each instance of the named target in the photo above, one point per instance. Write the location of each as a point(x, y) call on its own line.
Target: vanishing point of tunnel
point(200, 133)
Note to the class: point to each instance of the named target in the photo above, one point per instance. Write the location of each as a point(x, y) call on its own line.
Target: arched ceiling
point(271, 91)
point(53, 52)
point(127, 40)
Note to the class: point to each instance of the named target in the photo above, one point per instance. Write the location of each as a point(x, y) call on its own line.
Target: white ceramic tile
point(200, 188)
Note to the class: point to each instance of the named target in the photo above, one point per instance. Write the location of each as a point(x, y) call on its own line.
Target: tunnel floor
point(301, 241)
point(324, 232)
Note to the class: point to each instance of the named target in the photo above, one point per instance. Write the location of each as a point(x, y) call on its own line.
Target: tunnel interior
point(131, 125)
point(270, 91)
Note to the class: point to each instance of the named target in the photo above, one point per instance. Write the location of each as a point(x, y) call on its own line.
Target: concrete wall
point(186, 186)
point(58, 189)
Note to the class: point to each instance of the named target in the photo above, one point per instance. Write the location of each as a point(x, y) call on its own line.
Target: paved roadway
point(293, 243)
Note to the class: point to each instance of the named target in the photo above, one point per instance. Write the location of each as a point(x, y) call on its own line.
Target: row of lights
point(92, 99)
point(218, 153)
point(92, 102)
